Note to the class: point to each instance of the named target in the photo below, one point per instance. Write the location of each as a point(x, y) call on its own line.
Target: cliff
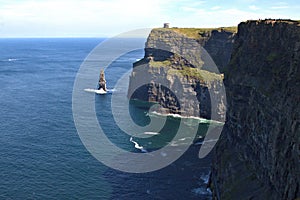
point(175, 63)
point(257, 156)
point(185, 42)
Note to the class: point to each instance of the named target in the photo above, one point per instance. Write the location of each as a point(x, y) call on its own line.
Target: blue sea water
point(41, 154)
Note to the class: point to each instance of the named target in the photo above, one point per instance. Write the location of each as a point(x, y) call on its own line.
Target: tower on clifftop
point(166, 25)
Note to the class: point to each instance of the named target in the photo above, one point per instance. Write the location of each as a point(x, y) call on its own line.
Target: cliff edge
point(176, 64)
point(257, 156)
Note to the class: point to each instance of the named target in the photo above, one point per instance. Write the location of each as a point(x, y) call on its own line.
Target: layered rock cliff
point(176, 63)
point(258, 154)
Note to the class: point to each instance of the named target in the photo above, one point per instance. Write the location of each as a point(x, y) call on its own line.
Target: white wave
point(137, 146)
point(111, 90)
point(198, 143)
point(163, 154)
point(207, 141)
point(212, 140)
point(10, 60)
point(174, 144)
point(97, 91)
point(89, 90)
point(205, 178)
point(199, 119)
point(151, 133)
point(201, 191)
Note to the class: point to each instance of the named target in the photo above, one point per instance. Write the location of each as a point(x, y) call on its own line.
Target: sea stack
point(102, 81)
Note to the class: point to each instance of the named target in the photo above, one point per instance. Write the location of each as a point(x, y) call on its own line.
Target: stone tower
point(102, 81)
point(166, 25)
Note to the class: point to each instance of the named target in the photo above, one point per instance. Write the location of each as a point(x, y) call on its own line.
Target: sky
point(107, 18)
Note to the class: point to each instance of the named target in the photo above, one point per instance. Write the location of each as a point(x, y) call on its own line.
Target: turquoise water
point(41, 154)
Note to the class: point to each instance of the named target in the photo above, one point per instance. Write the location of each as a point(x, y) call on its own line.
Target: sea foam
point(137, 146)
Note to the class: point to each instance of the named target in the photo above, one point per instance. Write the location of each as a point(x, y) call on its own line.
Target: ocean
point(41, 154)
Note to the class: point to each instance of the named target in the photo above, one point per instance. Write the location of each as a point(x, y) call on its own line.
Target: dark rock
point(257, 156)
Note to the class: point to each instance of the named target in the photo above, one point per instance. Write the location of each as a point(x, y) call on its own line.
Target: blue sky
point(105, 18)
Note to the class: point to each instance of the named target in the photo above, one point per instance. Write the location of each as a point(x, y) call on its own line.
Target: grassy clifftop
point(196, 33)
point(187, 71)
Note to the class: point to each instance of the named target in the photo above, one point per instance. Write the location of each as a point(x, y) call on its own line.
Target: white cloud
point(224, 17)
point(104, 17)
point(216, 8)
point(110, 17)
point(197, 3)
point(253, 7)
point(279, 7)
point(189, 9)
point(190, 3)
point(247, 1)
point(281, 3)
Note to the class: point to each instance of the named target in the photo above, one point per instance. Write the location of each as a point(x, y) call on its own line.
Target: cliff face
point(257, 156)
point(175, 63)
point(217, 43)
point(219, 46)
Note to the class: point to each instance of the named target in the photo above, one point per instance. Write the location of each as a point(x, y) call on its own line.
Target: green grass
point(186, 71)
point(191, 32)
point(196, 32)
point(195, 73)
point(165, 63)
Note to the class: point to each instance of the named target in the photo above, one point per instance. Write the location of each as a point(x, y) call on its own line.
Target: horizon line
point(40, 37)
